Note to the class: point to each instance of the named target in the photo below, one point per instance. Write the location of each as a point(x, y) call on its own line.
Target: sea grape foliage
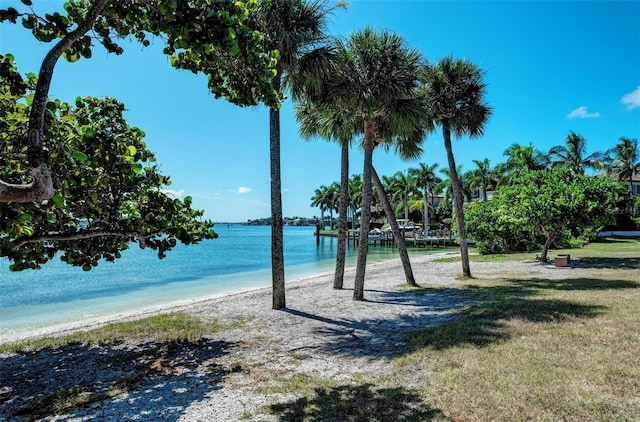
point(109, 193)
point(199, 35)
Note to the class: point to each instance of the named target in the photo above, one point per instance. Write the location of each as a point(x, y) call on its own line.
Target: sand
point(226, 376)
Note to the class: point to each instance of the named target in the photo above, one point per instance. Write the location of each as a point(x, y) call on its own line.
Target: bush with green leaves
point(109, 191)
point(549, 206)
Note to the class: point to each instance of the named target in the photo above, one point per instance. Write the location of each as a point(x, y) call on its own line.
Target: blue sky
point(551, 67)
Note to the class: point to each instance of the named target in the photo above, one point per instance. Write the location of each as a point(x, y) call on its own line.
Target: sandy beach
point(226, 375)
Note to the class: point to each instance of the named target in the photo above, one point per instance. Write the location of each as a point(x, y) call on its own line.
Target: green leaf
point(88, 132)
point(58, 200)
point(27, 2)
point(24, 218)
point(234, 50)
point(30, 98)
point(131, 150)
point(78, 155)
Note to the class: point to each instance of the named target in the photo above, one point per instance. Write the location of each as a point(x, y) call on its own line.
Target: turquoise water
point(238, 260)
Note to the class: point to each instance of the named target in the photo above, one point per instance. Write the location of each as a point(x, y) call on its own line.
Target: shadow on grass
point(579, 284)
point(611, 263)
point(360, 403)
point(70, 380)
point(485, 321)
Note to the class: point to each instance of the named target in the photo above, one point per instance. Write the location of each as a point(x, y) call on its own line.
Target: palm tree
point(402, 186)
point(455, 92)
point(425, 176)
point(521, 159)
point(623, 162)
point(297, 29)
point(572, 155)
point(481, 178)
point(338, 125)
point(376, 73)
point(355, 196)
point(319, 199)
point(333, 199)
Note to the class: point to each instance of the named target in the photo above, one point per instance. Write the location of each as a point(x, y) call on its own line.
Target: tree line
point(525, 173)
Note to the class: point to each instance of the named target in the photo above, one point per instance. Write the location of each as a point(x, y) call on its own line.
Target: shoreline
point(88, 322)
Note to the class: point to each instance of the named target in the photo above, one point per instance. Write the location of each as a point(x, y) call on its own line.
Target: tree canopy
point(199, 34)
point(109, 191)
point(548, 203)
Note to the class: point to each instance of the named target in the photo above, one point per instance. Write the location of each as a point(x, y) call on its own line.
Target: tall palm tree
point(376, 73)
point(427, 179)
point(572, 155)
point(335, 124)
point(454, 91)
point(297, 29)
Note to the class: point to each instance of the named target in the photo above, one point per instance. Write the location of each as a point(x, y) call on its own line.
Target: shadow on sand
point(160, 379)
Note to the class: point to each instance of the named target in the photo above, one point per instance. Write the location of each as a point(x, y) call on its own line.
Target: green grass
point(158, 328)
point(536, 350)
point(609, 247)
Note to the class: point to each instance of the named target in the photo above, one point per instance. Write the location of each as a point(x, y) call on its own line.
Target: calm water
point(238, 260)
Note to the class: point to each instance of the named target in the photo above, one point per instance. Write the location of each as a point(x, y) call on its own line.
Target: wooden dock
point(383, 240)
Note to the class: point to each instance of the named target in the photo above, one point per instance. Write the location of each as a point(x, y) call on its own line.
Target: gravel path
point(224, 377)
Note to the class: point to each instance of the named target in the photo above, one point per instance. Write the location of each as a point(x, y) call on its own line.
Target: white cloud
point(582, 113)
point(242, 189)
point(174, 193)
point(632, 99)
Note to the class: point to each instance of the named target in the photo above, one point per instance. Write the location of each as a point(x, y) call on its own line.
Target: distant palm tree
point(521, 159)
point(355, 196)
point(572, 155)
point(623, 162)
point(402, 187)
point(333, 199)
point(297, 29)
point(482, 177)
point(426, 178)
point(319, 199)
point(454, 92)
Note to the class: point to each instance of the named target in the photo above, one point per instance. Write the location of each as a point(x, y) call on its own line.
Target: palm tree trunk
point(365, 217)
point(338, 279)
point(425, 214)
point(457, 201)
point(397, 236)
point(277, 243)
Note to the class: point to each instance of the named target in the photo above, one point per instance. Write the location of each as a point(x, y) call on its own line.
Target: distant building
point(634, 186)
